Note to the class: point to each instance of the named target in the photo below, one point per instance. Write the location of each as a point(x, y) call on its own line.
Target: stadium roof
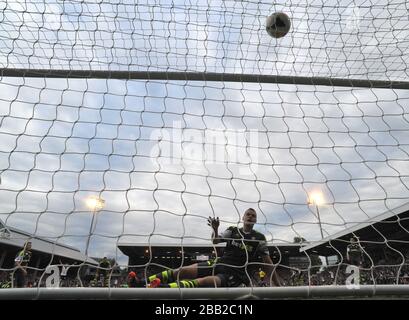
point(375, 227)
point(15, 237)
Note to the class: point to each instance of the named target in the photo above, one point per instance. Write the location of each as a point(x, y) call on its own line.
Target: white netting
point(166, 154)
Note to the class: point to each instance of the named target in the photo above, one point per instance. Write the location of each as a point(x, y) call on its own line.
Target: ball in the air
point(278, 25)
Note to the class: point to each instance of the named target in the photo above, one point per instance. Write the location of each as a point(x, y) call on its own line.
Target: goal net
point(124, 126)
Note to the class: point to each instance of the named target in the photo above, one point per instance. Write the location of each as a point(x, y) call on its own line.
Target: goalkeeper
point(102, 273)
point(244, 245)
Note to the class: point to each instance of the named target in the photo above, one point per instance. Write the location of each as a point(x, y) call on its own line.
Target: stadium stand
point(45, 253)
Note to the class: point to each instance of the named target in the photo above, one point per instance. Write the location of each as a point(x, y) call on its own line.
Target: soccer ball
point(278, 24)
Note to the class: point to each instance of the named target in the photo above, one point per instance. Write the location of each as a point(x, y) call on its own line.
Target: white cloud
point(63, 140)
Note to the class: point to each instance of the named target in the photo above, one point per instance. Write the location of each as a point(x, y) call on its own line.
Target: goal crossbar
point(202, 76)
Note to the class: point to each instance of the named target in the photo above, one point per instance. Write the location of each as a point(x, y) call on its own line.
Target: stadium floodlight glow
point(316, 198)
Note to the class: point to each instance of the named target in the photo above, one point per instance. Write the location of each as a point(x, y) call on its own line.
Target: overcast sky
point(165, 155)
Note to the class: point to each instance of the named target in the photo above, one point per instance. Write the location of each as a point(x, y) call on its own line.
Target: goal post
point(124, 126)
